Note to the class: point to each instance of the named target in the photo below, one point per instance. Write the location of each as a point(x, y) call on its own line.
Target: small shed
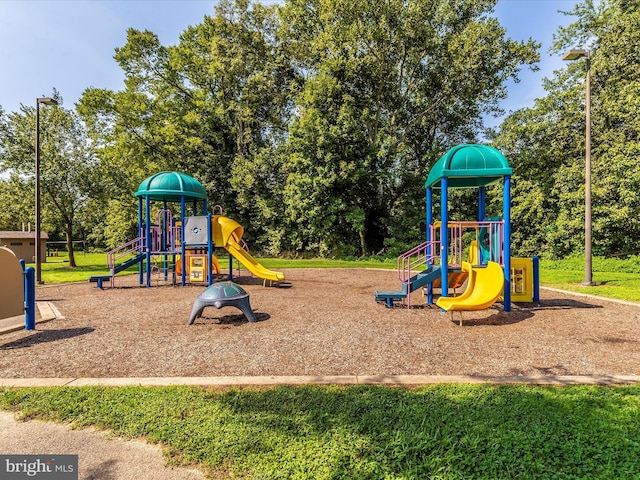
point(23, 245)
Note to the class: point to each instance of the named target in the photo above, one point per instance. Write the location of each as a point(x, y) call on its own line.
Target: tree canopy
point(315, 123)
point(316, 120)
point(68, 170)
point(546, 143)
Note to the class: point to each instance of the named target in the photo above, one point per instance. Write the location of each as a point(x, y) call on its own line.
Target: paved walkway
point(99, 455)
point(45, 312)
point(321, 380)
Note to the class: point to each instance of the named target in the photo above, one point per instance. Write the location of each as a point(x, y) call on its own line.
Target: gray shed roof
point(18, 234)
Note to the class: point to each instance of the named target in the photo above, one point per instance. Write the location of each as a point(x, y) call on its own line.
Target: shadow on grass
point(367, 432)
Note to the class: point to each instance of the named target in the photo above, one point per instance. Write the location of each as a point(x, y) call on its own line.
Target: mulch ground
point(326, 323)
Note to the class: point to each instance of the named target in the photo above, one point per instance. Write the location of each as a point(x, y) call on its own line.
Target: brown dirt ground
point(326, 323)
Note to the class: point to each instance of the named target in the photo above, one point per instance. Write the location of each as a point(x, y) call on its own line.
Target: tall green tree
point(390, 85)
point(205, 107)
point(314, 121)
point(546, 143)
point(67, 164)
point(16, 202)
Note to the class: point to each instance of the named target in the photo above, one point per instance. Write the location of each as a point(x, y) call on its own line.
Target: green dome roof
point(469, 166)
point(171, 187)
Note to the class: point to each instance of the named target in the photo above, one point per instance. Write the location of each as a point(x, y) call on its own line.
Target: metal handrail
point(405, 264)
point(131, 247)
point(456, 232)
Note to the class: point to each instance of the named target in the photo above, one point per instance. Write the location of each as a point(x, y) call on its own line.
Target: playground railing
point(132, 247)
point(487, 233)
point(164, 241)
point(417, 259)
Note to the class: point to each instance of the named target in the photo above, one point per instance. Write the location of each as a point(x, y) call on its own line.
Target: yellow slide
point(483, 289)
point(227, 233)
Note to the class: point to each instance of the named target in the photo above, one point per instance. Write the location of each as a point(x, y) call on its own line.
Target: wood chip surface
point(326, 323)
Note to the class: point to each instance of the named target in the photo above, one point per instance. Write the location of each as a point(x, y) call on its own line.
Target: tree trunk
point(69, 234)
point(363, 243)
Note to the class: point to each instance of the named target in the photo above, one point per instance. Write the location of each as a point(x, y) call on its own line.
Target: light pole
point(45, 101)
point(575, 54)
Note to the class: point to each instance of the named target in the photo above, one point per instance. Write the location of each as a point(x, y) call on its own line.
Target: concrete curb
point(47, 311)
point(398, 380)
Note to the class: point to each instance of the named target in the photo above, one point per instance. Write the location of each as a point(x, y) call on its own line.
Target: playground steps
point(418, 280)
point(100, 279)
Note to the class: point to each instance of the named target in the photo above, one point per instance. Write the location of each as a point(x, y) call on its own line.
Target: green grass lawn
point(615, 278)
point(366, 432)
point(57, 270)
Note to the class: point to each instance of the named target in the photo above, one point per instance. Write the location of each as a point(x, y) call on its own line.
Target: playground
point(325, 324)
point(327, 321)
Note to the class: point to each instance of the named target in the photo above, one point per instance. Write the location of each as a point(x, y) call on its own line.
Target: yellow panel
point(521, 279)
point(197, 269)
point(11, 285)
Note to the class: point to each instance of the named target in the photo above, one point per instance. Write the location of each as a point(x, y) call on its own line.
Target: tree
point(16, 203)
point(67, 164)
point(390, 85)
point(314, 121)
point(205, 106)
point(546, 143)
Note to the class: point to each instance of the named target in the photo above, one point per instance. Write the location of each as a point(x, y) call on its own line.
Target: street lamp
point(575, 54)
point(45, 101)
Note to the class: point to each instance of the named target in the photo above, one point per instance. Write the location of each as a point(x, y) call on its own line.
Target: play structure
point(183, 248)
point(17, 289)
point(477, 252)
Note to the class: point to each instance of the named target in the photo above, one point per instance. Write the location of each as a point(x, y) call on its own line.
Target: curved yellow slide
point(484, 288)
point(227, 233)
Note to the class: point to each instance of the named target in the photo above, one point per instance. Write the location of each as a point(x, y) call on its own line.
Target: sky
point(69, 44)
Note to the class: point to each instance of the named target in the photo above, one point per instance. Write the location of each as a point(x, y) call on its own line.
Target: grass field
point(57, 270)
point(367, 432)
point(615, 278)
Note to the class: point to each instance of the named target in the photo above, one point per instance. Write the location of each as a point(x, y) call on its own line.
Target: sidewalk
point(99, 455)
point(45, 312)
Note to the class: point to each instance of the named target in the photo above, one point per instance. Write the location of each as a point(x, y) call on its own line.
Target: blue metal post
point(444, 237)
point(183, 250)
point(429, 210)
point(482, 199)
point(30, 298)
point(165, 232)
point(147, 234)
point(506, 205)
point(536, 279)
point(140, 275)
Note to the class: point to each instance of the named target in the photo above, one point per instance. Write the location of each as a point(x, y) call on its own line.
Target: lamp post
point(575, 54)
point(45, 101)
